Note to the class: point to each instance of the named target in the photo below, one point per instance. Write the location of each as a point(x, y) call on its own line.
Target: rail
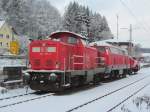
point(98, 98)
point(23, 101)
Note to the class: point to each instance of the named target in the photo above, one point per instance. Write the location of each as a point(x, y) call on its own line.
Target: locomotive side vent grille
point(48, 62)
point(37, 62)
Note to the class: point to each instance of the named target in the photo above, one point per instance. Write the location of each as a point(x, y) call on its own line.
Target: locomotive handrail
point(99, 61)
point(77, 56)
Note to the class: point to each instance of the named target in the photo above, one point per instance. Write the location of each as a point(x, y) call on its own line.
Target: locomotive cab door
point(79, 55)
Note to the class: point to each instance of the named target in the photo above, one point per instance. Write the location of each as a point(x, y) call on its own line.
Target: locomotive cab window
point(72, 40)
point(51, 49)
point(55, 39)
point(102, 49)
point(35, 49)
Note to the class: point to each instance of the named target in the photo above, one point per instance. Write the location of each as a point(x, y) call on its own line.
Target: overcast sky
point(135, 12)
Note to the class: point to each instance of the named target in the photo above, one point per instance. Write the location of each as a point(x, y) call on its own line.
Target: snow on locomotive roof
point(68, 32)
point(105, 43)
point(101, 43)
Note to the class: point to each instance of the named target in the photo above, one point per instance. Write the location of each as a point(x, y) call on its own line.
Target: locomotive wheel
point(113, 75)
point(124, 75)
point(96, 79)
point(75, 81)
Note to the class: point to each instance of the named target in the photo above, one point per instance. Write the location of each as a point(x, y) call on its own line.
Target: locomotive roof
point(68, 32)
point(105, 43)
point(101, 43)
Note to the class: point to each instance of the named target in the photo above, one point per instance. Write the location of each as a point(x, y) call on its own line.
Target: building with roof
point(8, 39)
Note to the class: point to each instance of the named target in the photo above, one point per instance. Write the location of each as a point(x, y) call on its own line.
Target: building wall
point(6, 36)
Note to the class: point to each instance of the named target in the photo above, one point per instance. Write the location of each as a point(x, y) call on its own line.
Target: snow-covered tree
point(47, 18)
point(99, 27)
point(2, 13)
point(80, 19)
point(76, 18)
point(71, 16)
point(34, 18)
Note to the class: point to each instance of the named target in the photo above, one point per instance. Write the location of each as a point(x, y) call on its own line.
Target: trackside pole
point(64, 70)
point(26, 88)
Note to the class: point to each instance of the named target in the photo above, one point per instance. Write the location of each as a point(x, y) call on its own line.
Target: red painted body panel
point(66, 56)
point(134, 65)
point(113, 59)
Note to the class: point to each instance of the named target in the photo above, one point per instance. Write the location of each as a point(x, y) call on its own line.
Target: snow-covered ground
point(14, 92)
point(144, 64)
point(12, 62)
point(62, 103)
point(2, 90)
point(138, 103)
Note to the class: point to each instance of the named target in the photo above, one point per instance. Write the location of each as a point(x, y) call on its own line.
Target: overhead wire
point(146, 28)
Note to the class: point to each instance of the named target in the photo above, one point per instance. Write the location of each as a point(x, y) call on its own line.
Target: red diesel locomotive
point(67, 60)
point(134, 66)
point(64, 60)
point(114, 61)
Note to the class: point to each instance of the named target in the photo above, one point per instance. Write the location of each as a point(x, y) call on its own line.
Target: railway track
point(49, 94)
point(23, 101)
point(111, 109)
point(98, 98)
point(15, 96)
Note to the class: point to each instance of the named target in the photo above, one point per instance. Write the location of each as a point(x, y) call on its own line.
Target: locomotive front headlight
point(26, 77)
point(52, 76)
point(57, 65)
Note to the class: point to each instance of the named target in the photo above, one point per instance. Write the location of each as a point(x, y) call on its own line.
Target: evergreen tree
point(80, 19)
point(31, 17)
point(2, 12)
point(71, 17)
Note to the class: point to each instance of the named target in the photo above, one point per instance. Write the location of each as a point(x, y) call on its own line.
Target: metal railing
point(77, 63)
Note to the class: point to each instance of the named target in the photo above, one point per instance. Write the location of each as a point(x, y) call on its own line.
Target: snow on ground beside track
point(14, 92)
point(142, 64)
point(12, 62)
point(61, 103)
point(138, 103)
point(3, 90)
point(112, 100)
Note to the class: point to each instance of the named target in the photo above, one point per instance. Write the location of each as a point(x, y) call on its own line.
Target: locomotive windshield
point(72, 40)
point(51, 49)
point(101, 49)
point(35, 49)
point(67, 39)
point(56, 39)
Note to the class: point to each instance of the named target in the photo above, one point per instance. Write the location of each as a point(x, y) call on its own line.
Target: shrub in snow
point(4, 90)
point(142, 102)
point(125, 109)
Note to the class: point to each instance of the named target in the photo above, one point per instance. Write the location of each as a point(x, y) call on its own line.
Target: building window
point(1, 43)
point(7, 44)
point(1, 35)
point(7, 36)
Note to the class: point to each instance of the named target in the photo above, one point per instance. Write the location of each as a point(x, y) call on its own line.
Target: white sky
point(110, 8)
